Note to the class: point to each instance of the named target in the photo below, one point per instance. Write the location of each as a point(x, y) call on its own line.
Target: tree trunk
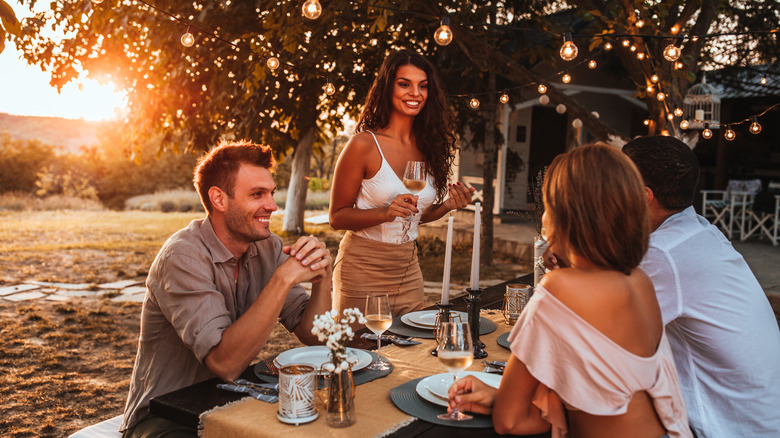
point(296, 191)
point(488, 173)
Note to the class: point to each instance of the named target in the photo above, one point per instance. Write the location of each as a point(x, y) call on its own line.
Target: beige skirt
point(368, 267)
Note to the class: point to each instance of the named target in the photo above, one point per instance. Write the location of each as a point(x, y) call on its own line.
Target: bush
point(18, 201)
point(318, 184)
point(166, 201)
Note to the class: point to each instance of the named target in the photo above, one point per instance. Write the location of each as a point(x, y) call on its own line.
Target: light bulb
point(672, 52)
point(330, 89)
point(763, 80)
point(97, 2)
point(544, 99)
point(755, 127)
point(625, 43)
point(595, 114)
point(474, 103)
point(707, 133)
point(311, 9)
point(640, 23)
point(608, 46)
point(695, 38)
point(576, 123)
point(272, 63)
point(566, 78)
point(647, 122)
point(504, 98)
point(560, 108)
point(568, 49)
point(660, 96)
point(592, 64)
point(670, 117)
point(640, 56)
point(654, 78)
point(187, 40)
point(649, 88)
point(675, 29)
point(729, 134)
point(678, 112)
point(683, 124)
point(632, 48)
point(541, 88)
point(664, 132)
point(443, 34)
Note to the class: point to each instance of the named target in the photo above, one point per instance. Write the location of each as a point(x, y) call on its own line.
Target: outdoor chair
point(765, 214)
point(730, 209)
point(104, 429)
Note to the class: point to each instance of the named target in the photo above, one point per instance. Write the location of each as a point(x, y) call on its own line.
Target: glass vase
point(540, 245)
point(340, 402)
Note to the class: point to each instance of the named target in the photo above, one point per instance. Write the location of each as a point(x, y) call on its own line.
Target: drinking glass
point(455, 352)
point(414, 180)
point(378, 319)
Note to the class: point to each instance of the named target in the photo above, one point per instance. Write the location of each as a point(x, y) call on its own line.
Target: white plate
point(426, 319)
point(434, 388)
point(318, 355)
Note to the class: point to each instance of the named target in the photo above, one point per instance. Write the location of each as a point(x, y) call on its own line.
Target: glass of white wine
point(456, 353)
point(378, 319)
point(414, 180)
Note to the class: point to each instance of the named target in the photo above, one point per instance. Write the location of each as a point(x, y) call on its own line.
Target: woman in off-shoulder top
point(589, 353)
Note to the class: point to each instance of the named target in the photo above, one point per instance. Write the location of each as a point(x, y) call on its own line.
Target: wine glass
point(378, 319)
point(455, 352)
point(414, 180)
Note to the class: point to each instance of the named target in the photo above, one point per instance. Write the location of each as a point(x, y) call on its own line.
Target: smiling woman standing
point(405, 118)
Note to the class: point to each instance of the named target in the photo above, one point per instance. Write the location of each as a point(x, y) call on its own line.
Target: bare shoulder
point(360, 144)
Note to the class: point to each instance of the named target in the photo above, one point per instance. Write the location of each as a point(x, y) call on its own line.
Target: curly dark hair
point(433, 126)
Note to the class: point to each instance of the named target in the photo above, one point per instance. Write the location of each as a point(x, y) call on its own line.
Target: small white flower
point(329, 367)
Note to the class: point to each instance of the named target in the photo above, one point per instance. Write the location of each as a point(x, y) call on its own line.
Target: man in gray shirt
point(217, 287)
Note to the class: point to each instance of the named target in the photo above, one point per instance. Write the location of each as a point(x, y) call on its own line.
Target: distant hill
point(65, 134)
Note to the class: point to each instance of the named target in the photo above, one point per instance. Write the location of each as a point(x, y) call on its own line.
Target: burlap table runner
point(375, 413)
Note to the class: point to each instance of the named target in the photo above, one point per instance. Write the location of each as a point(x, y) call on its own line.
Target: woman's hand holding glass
point(456, 353)
point(472, 395)
point(415, 179)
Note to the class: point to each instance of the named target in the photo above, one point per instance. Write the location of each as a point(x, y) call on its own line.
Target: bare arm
point(459, 197)
point(350, 172)
point(243, 339)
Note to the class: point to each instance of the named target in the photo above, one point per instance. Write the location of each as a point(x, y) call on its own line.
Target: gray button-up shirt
point(192, 296)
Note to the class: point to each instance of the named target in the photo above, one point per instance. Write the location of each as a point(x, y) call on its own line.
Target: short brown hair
point(595, 198)
point(218, 168)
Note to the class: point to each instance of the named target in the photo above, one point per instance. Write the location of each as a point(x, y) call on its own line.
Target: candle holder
point(472, 299)
point(444, 315)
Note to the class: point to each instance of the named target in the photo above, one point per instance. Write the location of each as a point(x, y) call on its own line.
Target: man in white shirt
point(722, 330)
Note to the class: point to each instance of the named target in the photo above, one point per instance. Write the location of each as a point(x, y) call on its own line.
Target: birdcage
point(702, 105)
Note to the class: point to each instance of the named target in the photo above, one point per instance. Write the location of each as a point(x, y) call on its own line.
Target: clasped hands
point(310, 260)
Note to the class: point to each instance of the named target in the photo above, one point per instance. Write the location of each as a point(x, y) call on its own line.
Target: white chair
point(104, 429)
point(730, 209)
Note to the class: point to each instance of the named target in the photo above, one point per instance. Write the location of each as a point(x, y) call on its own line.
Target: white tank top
point(379, 191)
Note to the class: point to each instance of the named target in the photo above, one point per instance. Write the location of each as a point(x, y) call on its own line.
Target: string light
point(566, 78)
point(678, 112)
point(649, 88)
point(665, 132)
point(707, 133)
point(640, 56)
point(576, 123)
point(625, 42)
point(541, 88)
point(443, 34)
point(560, 108)
point(97, 2)
point(729, 134)
point(763, 80)
point(504, 98)
point(608, 46)
point(675, 29)
point(672, 52)
point(187, 40)
point(474, 103)
point(647, 122)
point(330, 89)
point(632, 48)
point(683, 124)
point(312, 9)
point(640, 23)
point(592, 64)
point(670, 117)
point(678, 66)
point(568, 49)
point(660, 96)
point(654, 78)
point(595, 114)
point(544, 99)
point(272, 63)
point(755, 127)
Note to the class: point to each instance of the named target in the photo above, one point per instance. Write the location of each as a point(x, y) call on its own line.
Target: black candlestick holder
point(472, 299)
point(444, 315)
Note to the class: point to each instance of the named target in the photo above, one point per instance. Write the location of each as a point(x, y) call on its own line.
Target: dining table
point(384, 407)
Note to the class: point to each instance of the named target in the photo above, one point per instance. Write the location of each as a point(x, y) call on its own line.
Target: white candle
point(445, 283)
point(475, 247)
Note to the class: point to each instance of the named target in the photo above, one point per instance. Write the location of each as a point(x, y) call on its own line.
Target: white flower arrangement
point(336, 334)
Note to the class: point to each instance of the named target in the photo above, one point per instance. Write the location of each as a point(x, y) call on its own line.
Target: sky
point(25, 89)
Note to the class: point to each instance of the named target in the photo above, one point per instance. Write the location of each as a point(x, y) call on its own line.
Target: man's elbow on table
point(223, 368)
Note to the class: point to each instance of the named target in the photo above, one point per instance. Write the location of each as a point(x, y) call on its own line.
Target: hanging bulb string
point(748, 119)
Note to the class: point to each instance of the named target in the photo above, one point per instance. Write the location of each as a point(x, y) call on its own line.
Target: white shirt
point(379, 191)
point(722, 330)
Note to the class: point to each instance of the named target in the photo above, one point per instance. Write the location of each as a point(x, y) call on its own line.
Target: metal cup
point(515, 299)
point(296, 394)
